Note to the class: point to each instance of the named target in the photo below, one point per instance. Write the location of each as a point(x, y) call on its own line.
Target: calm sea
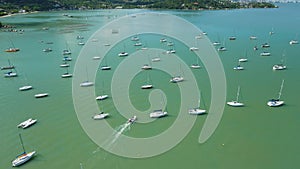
point(254, 136)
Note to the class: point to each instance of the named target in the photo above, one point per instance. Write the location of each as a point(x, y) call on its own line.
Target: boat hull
point(23, 158)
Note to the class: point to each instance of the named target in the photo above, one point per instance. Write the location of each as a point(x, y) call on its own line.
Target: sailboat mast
point(280, 89)
point(22, 142)
point(238, 94)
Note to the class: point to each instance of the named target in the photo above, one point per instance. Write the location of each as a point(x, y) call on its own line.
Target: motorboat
point(138, 44)
point(194, 48)
point(66, 75)
point(293, 42)
point(171, 51)
point(47, 50)
point(196, 111)
point(65, 64)
point(195, 66)
point(222, 48)
point(238, 67)
point(23, 88)
point(86, 84)
point(81, 43)
point(216, 43)
point(146, 67)
point(147, 86)
point(122, 54)
point(105, 67)
point(162, 40)
point(102, 97)
point(253, 37)
point(41, 95)
point(27, 123)
point(100, 116)
point(67, 58)
point(279, 67)
point(158, 113)
point(131, 120)
point(96, 57)
point(66, 52)
point(265, 45)
point(156, 59)
point(232, 38)
point(265, 54)
point(243, 60)
point(176, 79)
point(135, 38)
point(12, 50)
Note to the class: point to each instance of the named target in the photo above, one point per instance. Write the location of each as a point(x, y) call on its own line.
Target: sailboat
point(281, 65)
point(26, 87)
point(66, 74)
point(239, 67)
point(196, 65)
point(122, 54)
point(100, 116)
point(197, 110)
point(148, 84)
point(86, 83)
point(24, 157)
point(10, 66)
point(159, 113)
point(10, 74)
point(176, 79)
point(105, 66)
point(244, 59)
point(236, 102)
point(277, 102)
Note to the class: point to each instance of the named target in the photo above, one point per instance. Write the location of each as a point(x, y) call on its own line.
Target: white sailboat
point(236, 103)
point(24, 157)
point(160, 112)
point(86, 83)
point(10, 66)
point(280, 66)
point(276, 102)
point(239, 66)
point(197, 110)
point(148, 84)
point(265, 53)
point(10, 74)
point(105, 66)
point(196, 65)
point(100, 116)
point(66, 74)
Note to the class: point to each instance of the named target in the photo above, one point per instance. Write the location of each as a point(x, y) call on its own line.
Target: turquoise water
point(254, 136)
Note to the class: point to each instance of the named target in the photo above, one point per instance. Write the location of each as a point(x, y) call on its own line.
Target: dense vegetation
point(13, 6)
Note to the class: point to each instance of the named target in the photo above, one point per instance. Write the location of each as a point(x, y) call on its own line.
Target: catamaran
point(24, 157)
point(27, 123)
point(277, 102)
point(236, 102)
